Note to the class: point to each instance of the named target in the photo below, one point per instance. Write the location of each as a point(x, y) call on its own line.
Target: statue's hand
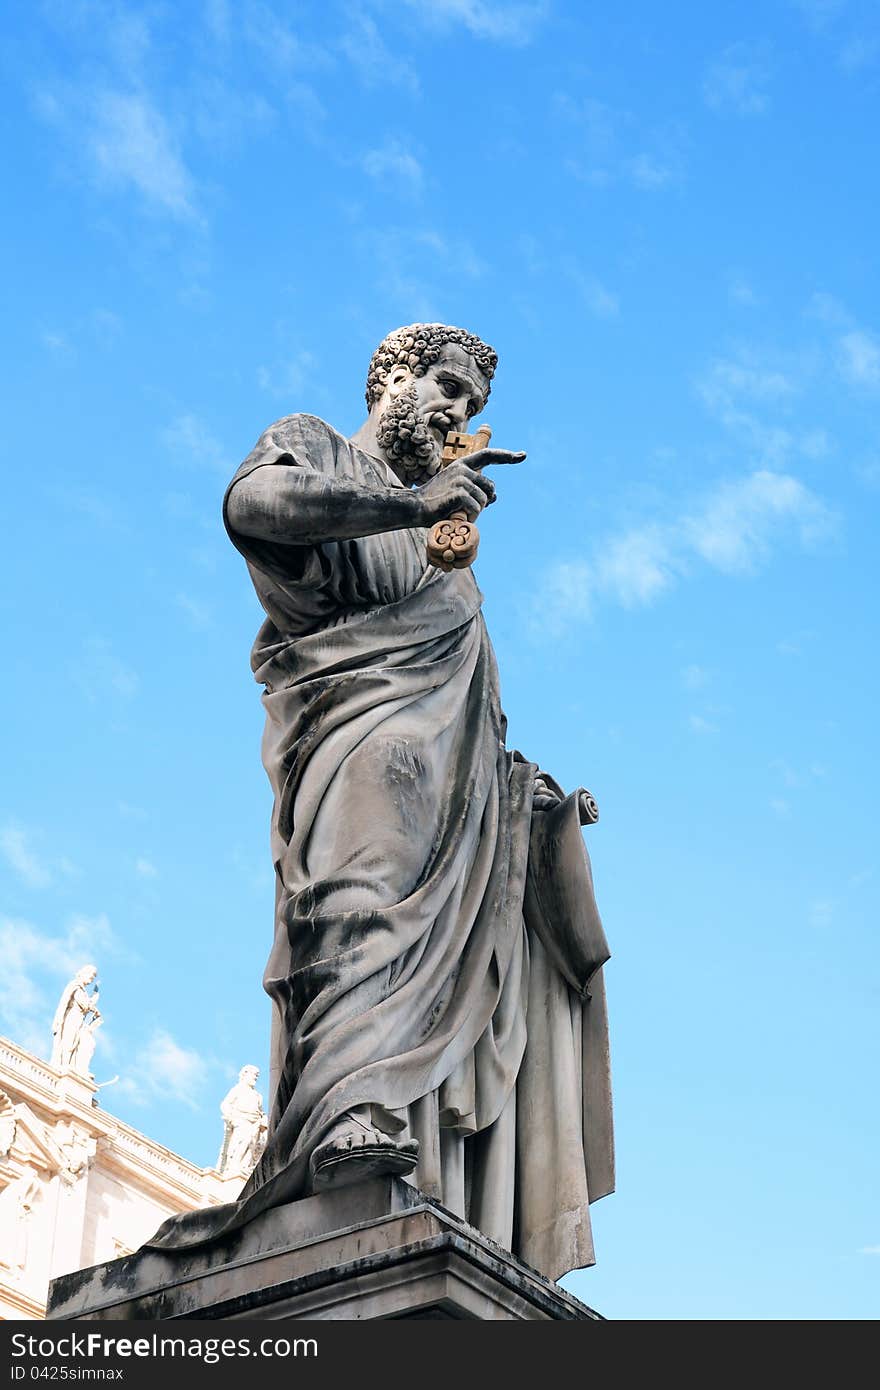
point(456, 488)
point(545, 796)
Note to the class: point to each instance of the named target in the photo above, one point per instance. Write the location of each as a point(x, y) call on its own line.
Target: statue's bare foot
point(354, 1150)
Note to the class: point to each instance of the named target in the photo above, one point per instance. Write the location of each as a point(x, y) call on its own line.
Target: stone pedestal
point(380, 1249)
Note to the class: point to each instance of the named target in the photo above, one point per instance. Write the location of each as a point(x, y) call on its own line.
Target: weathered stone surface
point(379, 1249)
point(439, 1011)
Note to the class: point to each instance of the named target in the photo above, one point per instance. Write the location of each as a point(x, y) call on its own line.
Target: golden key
point(453, 544)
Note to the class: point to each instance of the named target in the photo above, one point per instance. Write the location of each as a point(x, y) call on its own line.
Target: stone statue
point(244, 1126)
point(75, 1152)
point(76, 1021)
point(438, 1005)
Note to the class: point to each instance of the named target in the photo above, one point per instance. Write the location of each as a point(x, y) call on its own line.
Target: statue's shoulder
point(302, 426)
point(304, 439)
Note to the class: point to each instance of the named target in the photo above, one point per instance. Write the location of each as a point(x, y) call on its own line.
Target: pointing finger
point(490, 457)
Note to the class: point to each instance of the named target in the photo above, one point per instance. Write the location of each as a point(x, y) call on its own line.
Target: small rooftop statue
point(244, 1126)
point(76, 1021)
point(438, 1005)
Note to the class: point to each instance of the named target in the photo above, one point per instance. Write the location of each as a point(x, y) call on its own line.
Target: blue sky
point(663, 218)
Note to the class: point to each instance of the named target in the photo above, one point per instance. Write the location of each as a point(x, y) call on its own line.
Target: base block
point(380, 1249)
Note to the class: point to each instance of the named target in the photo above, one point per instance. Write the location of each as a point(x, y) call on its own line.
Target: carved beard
point(404, 438)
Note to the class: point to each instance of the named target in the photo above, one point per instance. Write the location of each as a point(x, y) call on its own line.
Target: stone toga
point(437, 949)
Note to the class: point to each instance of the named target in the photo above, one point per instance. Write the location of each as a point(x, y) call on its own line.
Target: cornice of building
point(16, 1304)
point(120, 1147)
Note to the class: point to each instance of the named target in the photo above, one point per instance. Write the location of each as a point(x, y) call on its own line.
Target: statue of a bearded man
point(438, 1009)
point(244, 1126)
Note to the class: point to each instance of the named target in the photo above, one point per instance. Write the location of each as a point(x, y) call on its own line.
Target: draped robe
point(422, 962)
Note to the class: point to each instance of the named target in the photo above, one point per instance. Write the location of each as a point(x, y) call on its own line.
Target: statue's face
point(249, 1075)
point(88, 974)
point(419, 411)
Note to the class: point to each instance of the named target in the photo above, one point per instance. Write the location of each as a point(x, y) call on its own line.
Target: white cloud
point(412, 279)
point(125, 139)
point(701, 725)
point(22, 858)
point(737, 81)
point(198, 613)
point(733, 529)
point(107, 326)
point(794, 644)
point(749, 392)
point(458, 253)
point(827, 309)
point(163, 1070)
point(728, 381)
point(795, 777)
point(375, 63)
point(172, 1068)
point(860, 358)
point(145, 868)
point(567, 589)
point(611, 148)
point(104, 511)
point(816, 444)
point(218, 19)
point(859, 52)
point(695, 677)
point(128, 38)
point(598, 299)
point(191, 442)
point(36, 965)
point(225, 119)
point(132, 144)
point(395, 164)
point(599, 124)
point(288, 378)
point(649, 172)
point(507, 21)
point(819, 13)
point(870, 1250)
point(636, 566)
point(869, 473)
point(741, 292)
point(100, 670)
point(55, 341)
point(788, 775)
point(821, 913)
point(279, 43)
point(856, 349)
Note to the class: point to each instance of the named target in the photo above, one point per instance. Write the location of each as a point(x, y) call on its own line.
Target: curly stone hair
point(418, 347)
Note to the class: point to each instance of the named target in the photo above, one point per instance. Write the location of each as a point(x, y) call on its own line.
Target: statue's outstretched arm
point(296, 506)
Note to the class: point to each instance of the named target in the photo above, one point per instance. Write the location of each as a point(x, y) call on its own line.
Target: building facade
point(77, 1185)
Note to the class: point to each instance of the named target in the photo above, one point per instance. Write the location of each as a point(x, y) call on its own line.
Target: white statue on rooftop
point(245, 1126)
point(76, 1021)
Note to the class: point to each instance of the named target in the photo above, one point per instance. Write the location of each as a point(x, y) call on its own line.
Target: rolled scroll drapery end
point(588, 808)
